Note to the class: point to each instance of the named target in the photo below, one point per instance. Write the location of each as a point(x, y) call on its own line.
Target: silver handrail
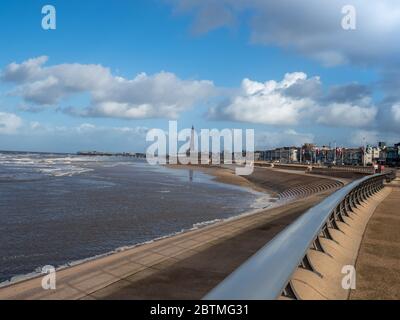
point(266, 275)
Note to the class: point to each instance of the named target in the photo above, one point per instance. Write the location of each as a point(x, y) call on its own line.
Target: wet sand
point(223, 175)
point(272, 181)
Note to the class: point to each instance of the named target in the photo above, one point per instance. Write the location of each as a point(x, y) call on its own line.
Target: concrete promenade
point(378, 263)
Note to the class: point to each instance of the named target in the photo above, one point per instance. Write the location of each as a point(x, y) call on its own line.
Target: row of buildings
point(310, 153)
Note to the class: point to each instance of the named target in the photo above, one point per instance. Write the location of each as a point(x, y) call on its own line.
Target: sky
point(113, 70)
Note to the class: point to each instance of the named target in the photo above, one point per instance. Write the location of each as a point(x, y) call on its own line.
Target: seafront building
point(285, 154)
point(312, 154)
point(391, 155)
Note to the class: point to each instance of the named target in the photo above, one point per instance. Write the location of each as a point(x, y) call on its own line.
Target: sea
point(62, 209)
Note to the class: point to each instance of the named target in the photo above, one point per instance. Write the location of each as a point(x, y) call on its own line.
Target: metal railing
point(267, 274)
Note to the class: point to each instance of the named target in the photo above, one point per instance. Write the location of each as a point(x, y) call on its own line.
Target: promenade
point(378, 263)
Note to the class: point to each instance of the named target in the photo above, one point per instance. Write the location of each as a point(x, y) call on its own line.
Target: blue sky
point(77, 87)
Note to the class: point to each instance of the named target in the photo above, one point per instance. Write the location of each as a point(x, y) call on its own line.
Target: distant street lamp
point(364, 151)
point(334, 154)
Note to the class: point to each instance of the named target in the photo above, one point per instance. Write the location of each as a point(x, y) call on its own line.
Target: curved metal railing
point(267, 274)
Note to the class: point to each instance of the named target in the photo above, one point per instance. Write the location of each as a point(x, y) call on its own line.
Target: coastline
point(223, 175)
point(217, 174)
point(271, 181)
point(143, 262)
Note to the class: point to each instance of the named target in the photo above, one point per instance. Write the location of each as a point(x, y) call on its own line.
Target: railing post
point(370, 193)
point(348, 204)
point(357, 195)
point(353, 200)
point(364, 193)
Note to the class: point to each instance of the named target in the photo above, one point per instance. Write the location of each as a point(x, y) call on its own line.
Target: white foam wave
point(48, 164)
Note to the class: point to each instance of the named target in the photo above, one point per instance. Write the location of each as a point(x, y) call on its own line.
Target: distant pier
point(112, 154)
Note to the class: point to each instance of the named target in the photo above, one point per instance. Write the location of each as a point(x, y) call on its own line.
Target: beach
point(272, 181)
point(222, 174)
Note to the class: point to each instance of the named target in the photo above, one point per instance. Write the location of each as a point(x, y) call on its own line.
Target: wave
point(62, 172)
point(18, 166)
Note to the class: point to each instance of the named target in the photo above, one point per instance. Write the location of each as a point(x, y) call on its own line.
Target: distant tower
point(191, 149)
point(192, 140)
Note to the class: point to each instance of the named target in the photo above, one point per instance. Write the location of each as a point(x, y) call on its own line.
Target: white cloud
point(24, 71)
point(84, 129)
point(395, 110)
point(9, 123)
point(290, 137)
point(359, 137)
point(35, 125)
point(371, 137)
point(347, 115)
point(162, 95)
point(267, 102)
point(297, 99)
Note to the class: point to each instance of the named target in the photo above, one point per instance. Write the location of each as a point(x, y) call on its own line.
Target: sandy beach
point(222, 174)
point(271, 181)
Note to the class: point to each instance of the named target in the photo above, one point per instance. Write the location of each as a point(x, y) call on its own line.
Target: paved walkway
point(378, 263)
